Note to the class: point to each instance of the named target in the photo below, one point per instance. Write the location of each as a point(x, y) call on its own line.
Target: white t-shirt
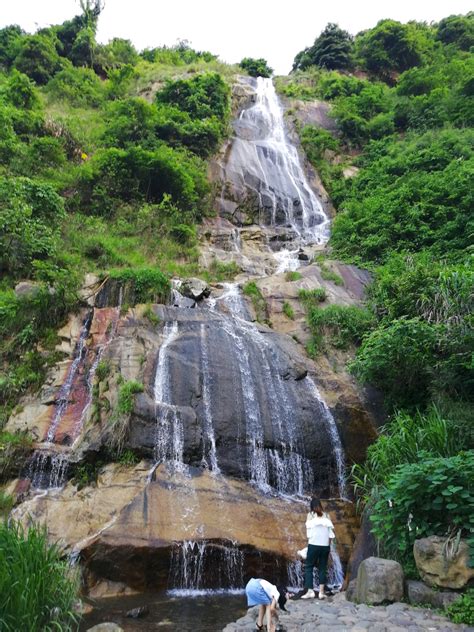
point(319, 529)
point(270, 589)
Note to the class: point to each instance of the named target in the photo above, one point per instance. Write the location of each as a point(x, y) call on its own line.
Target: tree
point(331, 50)
point(392, 46)
point(38, 58)
point(10, 39)
point(457, 30)
point(256, 67)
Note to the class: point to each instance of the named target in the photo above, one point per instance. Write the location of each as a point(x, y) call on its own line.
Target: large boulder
point(106, 627)
point(379, 581)
point(437, 568)
point(419, 593)
point(195, 289)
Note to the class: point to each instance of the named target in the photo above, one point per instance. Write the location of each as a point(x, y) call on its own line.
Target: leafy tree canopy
point(457, 30)
point(392, 46)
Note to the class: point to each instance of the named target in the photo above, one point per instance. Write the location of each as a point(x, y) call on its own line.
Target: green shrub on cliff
point(37, 588)
point(256, 67)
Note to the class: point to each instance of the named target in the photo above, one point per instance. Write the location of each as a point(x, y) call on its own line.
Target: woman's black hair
point(282, 598)
point(315, 506)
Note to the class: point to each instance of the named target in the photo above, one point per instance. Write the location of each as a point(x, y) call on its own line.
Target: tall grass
point(37, 588)
point(406, 439)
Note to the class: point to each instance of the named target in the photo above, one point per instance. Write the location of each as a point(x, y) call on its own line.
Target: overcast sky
point(273, 29)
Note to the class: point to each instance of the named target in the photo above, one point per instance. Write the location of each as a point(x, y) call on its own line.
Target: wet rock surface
point(338, 615)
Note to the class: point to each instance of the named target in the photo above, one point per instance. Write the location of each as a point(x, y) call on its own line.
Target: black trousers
point(317, 556)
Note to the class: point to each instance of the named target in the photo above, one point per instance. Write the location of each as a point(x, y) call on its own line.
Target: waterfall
point(64, 395)
point(285, 469)
point(192, 563)
point(169, 435)
point(47, 470)
point(209, 455)
point(264, 161)
point(334, 435)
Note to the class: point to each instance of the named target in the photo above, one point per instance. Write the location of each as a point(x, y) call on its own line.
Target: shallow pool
point(183, 611)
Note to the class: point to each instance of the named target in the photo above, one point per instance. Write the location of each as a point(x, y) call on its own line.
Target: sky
point(273, 29)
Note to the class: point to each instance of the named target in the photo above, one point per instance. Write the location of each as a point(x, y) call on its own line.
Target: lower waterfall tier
point(137, 526)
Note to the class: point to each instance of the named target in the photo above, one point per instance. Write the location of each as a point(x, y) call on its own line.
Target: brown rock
point(436, 570)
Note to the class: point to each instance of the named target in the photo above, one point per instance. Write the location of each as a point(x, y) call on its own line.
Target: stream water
point(186, 611)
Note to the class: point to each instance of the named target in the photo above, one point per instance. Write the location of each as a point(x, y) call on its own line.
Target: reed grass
point(37, 588)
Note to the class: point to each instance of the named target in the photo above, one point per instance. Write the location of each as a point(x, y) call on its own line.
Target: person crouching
point(268, 597)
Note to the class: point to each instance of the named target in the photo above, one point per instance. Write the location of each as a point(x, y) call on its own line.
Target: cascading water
point(64, 395)
point(169, 438)
point(285, 468)
point(334, 434)
point(209, 456)
point(263, 161)
point(193, 562)
point(49, 465)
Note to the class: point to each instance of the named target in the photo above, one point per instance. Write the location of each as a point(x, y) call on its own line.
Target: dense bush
point(30, 216)
point(411, 194)
point(38, 58)
point(393, 46)
point(138, 174)
point(256, 67)
point(433, 497)
point(37, 588)
point(10, 42)
point(457, 30)
point(407, 439)
point(462, 610)
point(79, 86)
point(399, 359)
point(202, 96)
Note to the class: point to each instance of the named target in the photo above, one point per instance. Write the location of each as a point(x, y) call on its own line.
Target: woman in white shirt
point(261, 593)
point(320, 532)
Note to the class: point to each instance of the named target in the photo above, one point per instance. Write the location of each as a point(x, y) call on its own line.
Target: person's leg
point(308, 569)
point(261, 614)
point(270, 625)
point(323, 555)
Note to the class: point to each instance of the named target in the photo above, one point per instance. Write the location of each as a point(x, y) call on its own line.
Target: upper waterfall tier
point(263, 173)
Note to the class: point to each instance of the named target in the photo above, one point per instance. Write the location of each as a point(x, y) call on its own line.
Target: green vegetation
point(99, 172)
point(312, 297)
point(338, 325)
point(426, 498)
point(103, 370)
point(252, 290)
point(331, 50)
point(126, 397)
point(6, 505)
point(14, 448)
point(405, 137)
point(256, 67)
point(37, 588)
point(293, 275)
point(462, 611)
point(288, 310)
point(329, 275)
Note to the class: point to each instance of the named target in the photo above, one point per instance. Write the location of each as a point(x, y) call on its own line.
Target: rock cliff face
point(235, 427)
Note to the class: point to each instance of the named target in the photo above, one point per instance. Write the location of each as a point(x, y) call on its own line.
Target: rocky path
point(339, 615)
